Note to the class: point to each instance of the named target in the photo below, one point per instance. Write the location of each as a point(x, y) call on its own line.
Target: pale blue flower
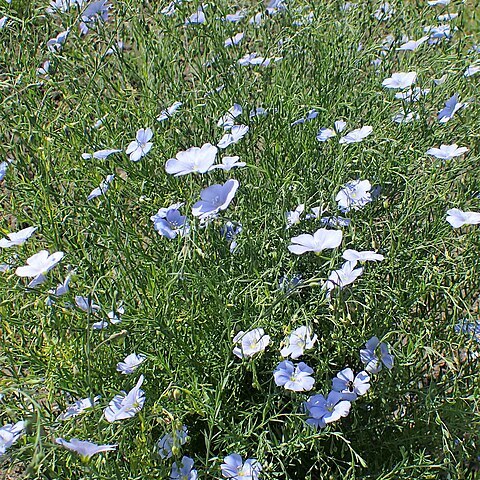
point(166, 114)
point(351, 386)
point(84, 448)
point(357, 135)
point(102, 188)
point(38, 264)
point(215, 199)
point(235, 40)
point(234, 468)
point(236, 134)
point(251, 342)
point(447, 152)
point(327, 410)
point(169, 223)
point(299, 340)
point(185, 471)
point(230, 231)
point(126, 405)
point(321, 240)
point(457, 218)
point(55, 44)
point(227, 164)
point(296, 378)
point(9, 434)
point(94, 12)
point(86, 304)
point(452, 105)
point(342, 277)
point(17, 238)
point(311, 114)
point(354, 195)
point(373, 359)
point(168, 441)
point(100, 154)
point(193, 160)
point(130, 363)
point(400, 80)
point(141, 145)
point(79, 407)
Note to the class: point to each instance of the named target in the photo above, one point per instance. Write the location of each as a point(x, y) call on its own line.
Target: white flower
point(79, 407)
point(356, 135)
point(346, 275)
point(452, 105)
point(236, 134)
point(447, 152)
point(293, 217)
point(193, 160)
point(251, 342)
point(126, 405)
point(166, 114)
point(84, 448)
point(457, 218)
point(434, 3)
point(400, 80)
point(299, 340)
point(141, 146)
point(40, 263)
point(355, 194)
point(9, 434)
point(130, 363)
point(322, 239)
point(17, 238)
point(364, 256)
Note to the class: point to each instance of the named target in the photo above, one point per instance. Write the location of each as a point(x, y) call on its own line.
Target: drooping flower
point(400, 80)
point(234, 468)
point(293, 217)
point(322, 239)
point(38, 264)
point(227, 164)
point(354, 195)
point(326, 410)
point(55, 44)
point(193, 160)
point(59, 290)
point(230, 231)
point(63, 6)
point(166, 114)
point(169, 223)
point(168, 441)
point(215, 199)
point(130, 363)
point(100, 154)
point(102, 188)
point(9, 434)
point(471, 70)
point(183, 471)
point(141, 145)
point(86, 304)
point(364, 256)
point(251, 342)
point(84, 448)
point(452, 105)
point(236, 134)
point(299, 340)
point(294, 377)
point(17, 238)
point(412, 45)
point(235, 40)
point(457, 218)
point(196, 18)
point(447, 152)
point(351, 386)
point(357, 135)
point(412, 94)
point(342, 277)
point(79, 407)
point(373, 359)
point(311, 114)
point(126, 405)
